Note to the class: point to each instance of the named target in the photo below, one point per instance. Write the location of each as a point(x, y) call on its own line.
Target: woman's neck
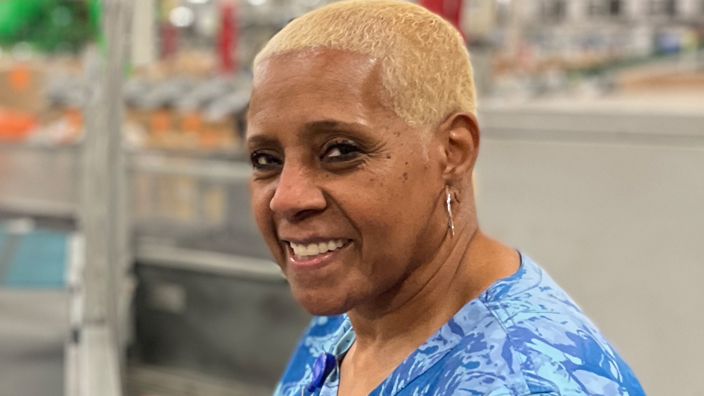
point(397, 323)
point(409, 314)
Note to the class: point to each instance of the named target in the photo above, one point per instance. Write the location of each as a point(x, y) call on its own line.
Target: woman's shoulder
point(537, 357)
point(533, 340)
point(531, 296)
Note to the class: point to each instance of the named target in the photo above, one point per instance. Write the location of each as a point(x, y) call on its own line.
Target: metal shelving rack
point(84, 184)
point(100, 292)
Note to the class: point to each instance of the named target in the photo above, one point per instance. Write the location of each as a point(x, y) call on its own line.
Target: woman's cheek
point(261, 212)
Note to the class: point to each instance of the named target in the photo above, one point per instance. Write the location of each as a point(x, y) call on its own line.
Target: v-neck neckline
point(433, 350)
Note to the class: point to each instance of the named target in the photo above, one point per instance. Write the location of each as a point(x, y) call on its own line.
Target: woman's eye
point(264, 161)
point(341, 151)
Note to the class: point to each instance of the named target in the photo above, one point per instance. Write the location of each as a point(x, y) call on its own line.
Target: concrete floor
point(33, 330)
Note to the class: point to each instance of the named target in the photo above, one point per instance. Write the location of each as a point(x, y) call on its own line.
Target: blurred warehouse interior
point(129, 261)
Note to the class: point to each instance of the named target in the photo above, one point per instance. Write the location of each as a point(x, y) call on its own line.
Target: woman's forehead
point(329, 84)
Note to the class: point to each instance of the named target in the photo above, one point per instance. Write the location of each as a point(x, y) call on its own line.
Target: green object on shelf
point(14, 14)
point(50, 25)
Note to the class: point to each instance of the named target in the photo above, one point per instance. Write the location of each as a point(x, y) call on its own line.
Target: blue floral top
point(522, 336)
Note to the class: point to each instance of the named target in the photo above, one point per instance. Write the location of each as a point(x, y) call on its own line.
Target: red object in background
point(451, 10)
point(169, 40)
point(228, 37)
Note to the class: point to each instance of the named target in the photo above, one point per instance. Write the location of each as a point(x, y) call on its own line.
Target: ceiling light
point(182, 17)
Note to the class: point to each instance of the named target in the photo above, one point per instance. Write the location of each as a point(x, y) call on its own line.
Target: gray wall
point(612, 206)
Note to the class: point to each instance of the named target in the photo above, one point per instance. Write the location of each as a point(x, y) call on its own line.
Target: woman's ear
point(461, 140)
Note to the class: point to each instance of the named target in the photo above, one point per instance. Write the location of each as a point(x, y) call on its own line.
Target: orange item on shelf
point(191, 122)
point(160, 122)
point(74, 117)
point(20, 78)
point(22, 87)
point(15, 125)
point(209, 138)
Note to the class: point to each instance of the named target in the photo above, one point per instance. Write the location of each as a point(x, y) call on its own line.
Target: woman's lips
point(313, 261)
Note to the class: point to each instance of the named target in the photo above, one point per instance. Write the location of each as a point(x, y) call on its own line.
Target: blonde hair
point(425, 65)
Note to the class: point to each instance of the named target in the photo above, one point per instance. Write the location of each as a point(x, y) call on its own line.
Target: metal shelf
point(209, 262)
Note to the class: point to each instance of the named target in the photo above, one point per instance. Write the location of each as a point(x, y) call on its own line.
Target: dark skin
point(332, 161)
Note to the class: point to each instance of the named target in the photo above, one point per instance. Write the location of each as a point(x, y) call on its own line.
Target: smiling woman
point(363, 137)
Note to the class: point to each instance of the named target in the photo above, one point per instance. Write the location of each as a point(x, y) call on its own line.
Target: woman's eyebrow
point(308, 129)
point(261, 140)
point(330, 125)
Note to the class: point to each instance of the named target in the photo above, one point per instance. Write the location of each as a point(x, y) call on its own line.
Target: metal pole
point(103, 216)
point(118, 15)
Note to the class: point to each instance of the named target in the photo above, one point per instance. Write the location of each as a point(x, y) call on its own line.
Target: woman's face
point(347, 196)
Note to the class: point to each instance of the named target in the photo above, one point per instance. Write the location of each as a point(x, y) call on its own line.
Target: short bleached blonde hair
point(425, 65)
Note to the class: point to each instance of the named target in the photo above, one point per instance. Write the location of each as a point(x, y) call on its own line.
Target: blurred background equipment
point(129, 260)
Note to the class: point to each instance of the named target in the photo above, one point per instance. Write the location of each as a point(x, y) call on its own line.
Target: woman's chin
point(320, 303)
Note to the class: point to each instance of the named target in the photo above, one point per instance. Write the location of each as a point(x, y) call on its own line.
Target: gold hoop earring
point(448, 202)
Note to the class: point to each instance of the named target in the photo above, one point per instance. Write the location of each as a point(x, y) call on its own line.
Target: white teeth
point(314, 249)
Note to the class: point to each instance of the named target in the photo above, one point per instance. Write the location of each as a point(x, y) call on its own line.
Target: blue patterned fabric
point(522, 336)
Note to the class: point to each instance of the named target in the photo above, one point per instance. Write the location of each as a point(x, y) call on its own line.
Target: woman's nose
point(297, 194)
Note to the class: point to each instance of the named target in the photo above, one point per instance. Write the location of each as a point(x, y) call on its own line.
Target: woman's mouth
point(314, 254)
